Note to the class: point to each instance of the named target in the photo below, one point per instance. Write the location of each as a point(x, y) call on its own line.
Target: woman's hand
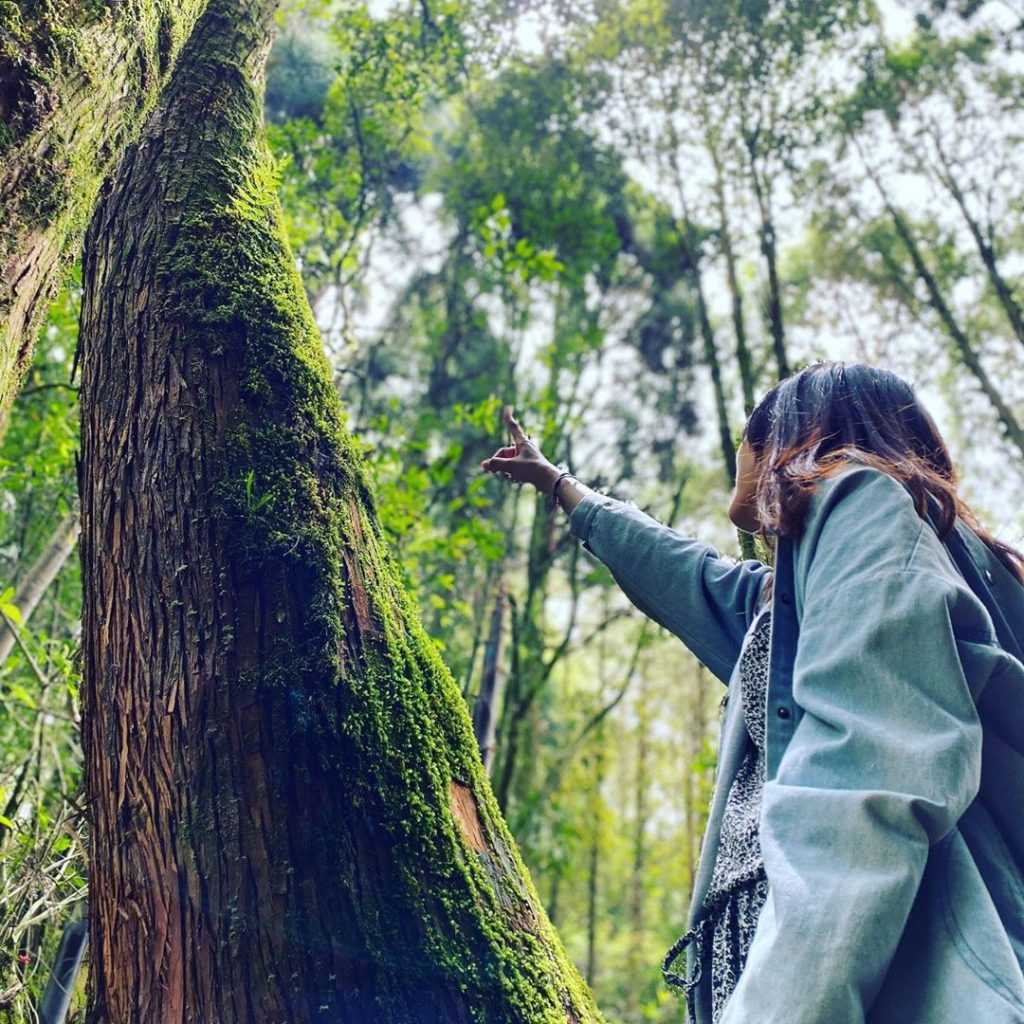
point(521, 461)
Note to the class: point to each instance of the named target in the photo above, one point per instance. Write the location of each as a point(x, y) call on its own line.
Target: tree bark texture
point(77, 79)
point(290, 819)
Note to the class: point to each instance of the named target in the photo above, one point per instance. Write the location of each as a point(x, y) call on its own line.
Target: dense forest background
point(626, 219)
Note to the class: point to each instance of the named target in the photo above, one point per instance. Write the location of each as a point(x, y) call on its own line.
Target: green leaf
point(19, 692)
point(12, 612)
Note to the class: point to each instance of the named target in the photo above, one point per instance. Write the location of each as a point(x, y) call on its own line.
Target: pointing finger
point(517, 431)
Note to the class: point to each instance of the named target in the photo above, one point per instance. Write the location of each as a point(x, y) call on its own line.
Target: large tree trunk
point(77, 79)
point(290, 819)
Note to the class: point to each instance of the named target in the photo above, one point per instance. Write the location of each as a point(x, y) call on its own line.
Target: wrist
point(549, 474)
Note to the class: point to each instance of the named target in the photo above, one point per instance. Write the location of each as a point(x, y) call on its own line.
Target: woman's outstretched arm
point(681, 583)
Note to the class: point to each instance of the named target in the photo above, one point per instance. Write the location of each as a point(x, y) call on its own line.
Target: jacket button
point(783, 712)
point(784, 597)
point(988, 575)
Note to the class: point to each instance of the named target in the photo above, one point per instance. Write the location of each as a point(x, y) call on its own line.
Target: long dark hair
point(812, 423)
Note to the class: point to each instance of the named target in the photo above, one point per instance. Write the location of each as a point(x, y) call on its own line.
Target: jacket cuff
point(581, 519)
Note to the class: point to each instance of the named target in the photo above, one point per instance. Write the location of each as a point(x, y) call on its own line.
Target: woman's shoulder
point(858, 515)
point(856, 482)
point(863, 525)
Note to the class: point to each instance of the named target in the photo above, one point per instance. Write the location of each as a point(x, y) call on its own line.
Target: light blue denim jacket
point(887, 829)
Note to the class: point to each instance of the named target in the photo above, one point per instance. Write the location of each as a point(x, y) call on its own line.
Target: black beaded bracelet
point(554, 488)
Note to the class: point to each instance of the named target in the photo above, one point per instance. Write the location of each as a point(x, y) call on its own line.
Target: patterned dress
point(739, 886)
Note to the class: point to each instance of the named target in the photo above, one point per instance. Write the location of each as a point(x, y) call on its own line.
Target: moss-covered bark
point(290, 819)
point(77, 79)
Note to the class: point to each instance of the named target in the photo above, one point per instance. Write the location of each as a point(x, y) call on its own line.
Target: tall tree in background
point(77, 79)
point(291, 821)
point(937, 101)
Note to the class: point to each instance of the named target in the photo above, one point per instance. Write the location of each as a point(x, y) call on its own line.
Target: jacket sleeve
point(683, 584)
point(884, 758)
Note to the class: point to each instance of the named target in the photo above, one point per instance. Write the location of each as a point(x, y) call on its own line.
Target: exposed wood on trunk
point(466, 814)
point(290, 820)
point(42, 573)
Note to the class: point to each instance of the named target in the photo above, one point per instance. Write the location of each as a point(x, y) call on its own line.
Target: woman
point(860, 862)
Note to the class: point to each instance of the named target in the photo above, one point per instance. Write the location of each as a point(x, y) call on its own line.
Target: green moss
point(12, 29)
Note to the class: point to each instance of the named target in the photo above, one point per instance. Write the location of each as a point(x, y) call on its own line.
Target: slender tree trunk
point(984, 243)
point(964, 349)
point(39, 577)
point(962, 344)
point(529, 674)
point(594, 858)
point(725, 441)
point(694, 274)
point(769, 250)
point(715, 367)
point(637, 889)
point(77, 78)
point(556, 886)
point(693, 745)
point(290, 820)
point(744, 359)
point(697, 792)
point(485, 710)
point(595, 797)
point(513, 711)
